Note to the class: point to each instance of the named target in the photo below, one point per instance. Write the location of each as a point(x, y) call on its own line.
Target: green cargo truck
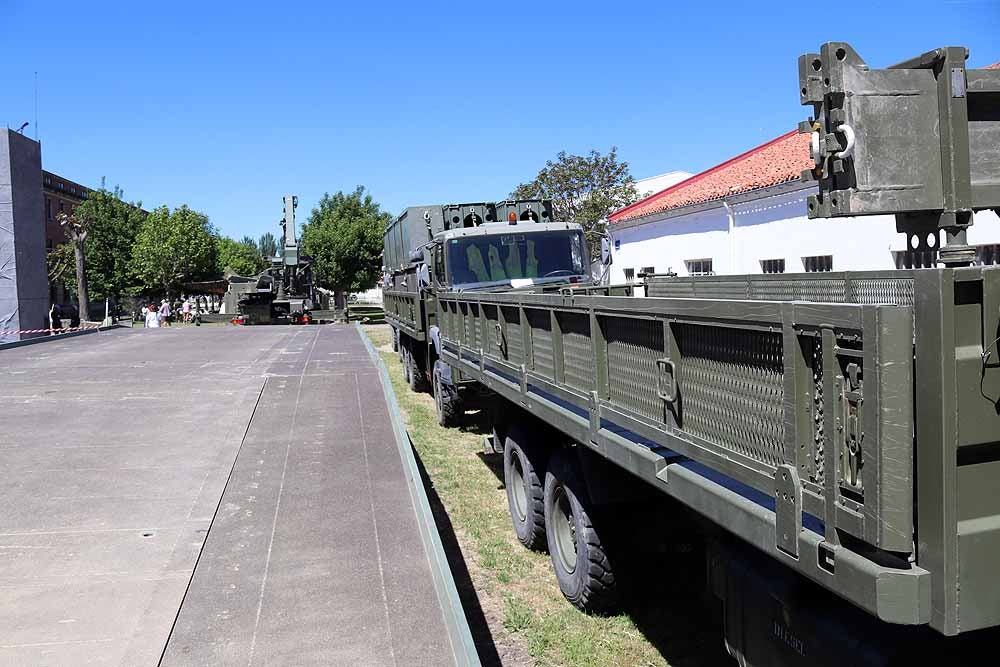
point(833, 438)
point(471, 248)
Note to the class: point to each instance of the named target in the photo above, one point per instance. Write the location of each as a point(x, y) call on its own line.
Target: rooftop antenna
point(20, 130)
point(36, 106)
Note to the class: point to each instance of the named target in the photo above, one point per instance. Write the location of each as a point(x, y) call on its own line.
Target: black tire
point(404, 356)
point(414, 374)
point(579, 556)
point(447, 402)
point(524, 475)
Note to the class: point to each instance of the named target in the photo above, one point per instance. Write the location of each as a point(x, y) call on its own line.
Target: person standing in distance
point(152, 318)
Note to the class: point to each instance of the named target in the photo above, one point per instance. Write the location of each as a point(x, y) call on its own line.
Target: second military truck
point(470, 248)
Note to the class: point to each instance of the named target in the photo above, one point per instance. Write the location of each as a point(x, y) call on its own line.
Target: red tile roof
point(778, 161)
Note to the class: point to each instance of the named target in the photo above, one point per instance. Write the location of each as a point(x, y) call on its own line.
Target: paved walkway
point(214, 495)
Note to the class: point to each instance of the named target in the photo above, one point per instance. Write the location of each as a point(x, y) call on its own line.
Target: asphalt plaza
point(209, 495)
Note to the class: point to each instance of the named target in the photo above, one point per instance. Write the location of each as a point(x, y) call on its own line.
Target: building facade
point(61, 196)
point(748, 215)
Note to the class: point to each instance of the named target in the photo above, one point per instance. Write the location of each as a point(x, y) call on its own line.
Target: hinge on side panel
point(787, 510)
point(594, 409)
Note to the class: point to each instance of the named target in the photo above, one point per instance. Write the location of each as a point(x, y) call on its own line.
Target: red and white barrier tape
point(63, 330)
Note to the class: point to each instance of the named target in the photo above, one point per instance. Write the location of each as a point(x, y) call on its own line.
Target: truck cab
point(504, 256)
point(485, 247)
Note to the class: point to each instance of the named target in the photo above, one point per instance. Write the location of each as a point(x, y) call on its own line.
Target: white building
point(748, 215)
point(653, 184)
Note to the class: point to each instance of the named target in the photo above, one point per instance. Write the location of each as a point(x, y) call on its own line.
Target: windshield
point(501, 258)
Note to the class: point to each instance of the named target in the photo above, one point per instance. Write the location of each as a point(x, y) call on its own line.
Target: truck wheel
point(447, 402)
point(578, 554)
point(404, 357)
point(415, 376)
point(523, 474)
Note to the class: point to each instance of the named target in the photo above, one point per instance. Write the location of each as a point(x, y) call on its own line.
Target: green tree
point(267, 245)
point(584, 189)
point(237, 257)
point(172, 248)
point(112, 225)
point(250, 242)
point(343, 235)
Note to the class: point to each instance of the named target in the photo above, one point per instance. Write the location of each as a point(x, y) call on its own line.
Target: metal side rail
point(749, 412)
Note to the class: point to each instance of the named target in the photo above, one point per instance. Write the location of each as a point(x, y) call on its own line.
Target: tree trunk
point(81, 282)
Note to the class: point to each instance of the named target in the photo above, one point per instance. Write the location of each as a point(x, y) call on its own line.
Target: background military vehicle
point(833, 438)
point(282, 293)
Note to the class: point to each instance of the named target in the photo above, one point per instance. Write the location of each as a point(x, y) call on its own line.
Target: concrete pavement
point(215, 495)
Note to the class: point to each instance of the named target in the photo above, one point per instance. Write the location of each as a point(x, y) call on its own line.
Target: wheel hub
point(520, 493)
point(565, 531)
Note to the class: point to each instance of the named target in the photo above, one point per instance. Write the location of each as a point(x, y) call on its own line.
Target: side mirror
point(606, 250)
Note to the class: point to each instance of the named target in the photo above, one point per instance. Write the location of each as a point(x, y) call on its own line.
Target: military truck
point(470, 248)
point(282, 293)
point(832, 439)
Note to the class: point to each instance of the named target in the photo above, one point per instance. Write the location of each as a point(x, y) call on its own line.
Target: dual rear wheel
point(549, 509)
point(448, 403)
point(412, 372)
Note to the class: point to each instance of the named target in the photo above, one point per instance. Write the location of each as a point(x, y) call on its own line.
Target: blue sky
point(226, 107)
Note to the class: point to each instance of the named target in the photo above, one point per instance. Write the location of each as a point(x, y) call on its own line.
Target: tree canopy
point(584, 189)
point(173, 247)
point(249, 241)
point(267, 245)
point(343, 235)
point(112, 224)
point(237, 257)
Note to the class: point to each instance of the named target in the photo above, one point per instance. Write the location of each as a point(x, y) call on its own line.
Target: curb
point(58, 337)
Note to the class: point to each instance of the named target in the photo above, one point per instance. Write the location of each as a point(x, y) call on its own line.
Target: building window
point(699, 267)
point(630, 274)
point(48, 180)
point(48, 245)
point(60, 207)
point(818, 263)
point(772, 265)
point(61, 186)
point(915, 259)
point(988, 255)
point(48, 208)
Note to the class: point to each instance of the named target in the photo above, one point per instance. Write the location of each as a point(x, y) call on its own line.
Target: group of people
point(154, 316)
